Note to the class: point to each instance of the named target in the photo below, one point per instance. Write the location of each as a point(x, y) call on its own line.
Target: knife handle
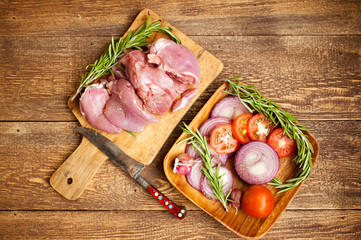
point(179, 212)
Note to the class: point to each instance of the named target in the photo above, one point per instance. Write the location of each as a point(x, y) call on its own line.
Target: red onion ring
point(256, 162)
point(229, 107)
point(196, 175)
point(211, 123)
point(227, 180)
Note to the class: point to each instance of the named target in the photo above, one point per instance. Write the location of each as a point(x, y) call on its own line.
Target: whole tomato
point(257, 201)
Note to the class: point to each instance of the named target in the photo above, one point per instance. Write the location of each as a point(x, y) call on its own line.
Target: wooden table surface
point(304, 54)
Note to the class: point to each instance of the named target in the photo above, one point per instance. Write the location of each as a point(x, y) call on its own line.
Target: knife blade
point(130, 166)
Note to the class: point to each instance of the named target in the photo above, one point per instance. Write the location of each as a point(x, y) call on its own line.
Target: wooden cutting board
point(72, 177)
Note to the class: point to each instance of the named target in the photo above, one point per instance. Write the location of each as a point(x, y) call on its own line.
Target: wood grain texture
point(314, 77)
point(305, 54)
point(31, 151)
point(161, 225)
point(220, 17)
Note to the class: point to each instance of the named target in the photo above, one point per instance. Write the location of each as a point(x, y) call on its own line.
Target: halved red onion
point(256, 162)
point(229, 107)
point(195, 176)
point(227, 180)
point(208, 125)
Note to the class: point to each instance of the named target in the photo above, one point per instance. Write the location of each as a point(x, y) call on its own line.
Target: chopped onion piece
point(235, 196)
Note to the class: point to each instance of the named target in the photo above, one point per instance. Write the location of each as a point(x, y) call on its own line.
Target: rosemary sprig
point(134, 39)
point(254, 101)
point(199, 142)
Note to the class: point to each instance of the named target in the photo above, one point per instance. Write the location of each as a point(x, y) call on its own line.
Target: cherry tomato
point(283, 144)
point(259, 128)
point(222, 140)
point(257, 201)
point(239, 127)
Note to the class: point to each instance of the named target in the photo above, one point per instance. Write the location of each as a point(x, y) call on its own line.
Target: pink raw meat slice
point(177, 60)
point(92, 103)
point(152, 85)
point(184, 100)
point(125, 110)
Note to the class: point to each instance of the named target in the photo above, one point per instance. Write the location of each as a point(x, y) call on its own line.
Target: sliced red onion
point(222, 158)
point(229, 107)
point(195, 176)
point(208, 125)
point(192, 151)
point(235, 196)
point(256, 162)
point(227, 181)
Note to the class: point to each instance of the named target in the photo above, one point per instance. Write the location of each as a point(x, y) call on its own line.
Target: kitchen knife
point(130, 166)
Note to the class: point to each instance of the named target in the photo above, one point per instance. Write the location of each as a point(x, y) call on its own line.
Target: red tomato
point(239, 127)
point(259, 128)
point(257, 201)
point(222, 140)
point(283, 144)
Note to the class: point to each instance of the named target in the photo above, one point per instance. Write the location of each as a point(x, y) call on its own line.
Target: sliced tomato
point(239, 127)
point(259, 128)
point(222, 140)
point(283, 144)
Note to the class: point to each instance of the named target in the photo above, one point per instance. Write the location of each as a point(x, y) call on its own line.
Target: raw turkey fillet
point(125, 110)
point(92, 103)
point(152, 83)
point(176, 60)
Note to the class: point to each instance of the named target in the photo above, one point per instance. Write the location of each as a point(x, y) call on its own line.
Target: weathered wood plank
point(30, 153)
point(293, 224)
point(313, 77)
point(82, 18)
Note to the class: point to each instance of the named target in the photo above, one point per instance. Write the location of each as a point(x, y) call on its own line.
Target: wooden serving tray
point(237, 221)
point(71, 178)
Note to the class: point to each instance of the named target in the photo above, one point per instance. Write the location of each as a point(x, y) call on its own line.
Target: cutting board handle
point(72, 177)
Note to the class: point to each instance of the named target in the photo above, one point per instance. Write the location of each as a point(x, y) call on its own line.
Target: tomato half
point(239, 127)
point(283, 144)
point(259, 128)
point(257, 201)
point(222, 140)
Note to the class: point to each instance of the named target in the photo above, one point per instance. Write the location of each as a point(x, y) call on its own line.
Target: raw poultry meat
point(177, 60)
point(152, 82)
point(125, 110)
point(152, 85)
point(92, 103)
point(184, 99)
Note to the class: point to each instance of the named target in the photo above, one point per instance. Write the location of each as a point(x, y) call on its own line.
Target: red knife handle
point(179, 212)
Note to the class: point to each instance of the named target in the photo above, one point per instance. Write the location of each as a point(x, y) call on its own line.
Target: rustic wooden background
point(304, 54)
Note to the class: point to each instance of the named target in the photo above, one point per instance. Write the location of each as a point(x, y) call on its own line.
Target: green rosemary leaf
point(131, 133)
